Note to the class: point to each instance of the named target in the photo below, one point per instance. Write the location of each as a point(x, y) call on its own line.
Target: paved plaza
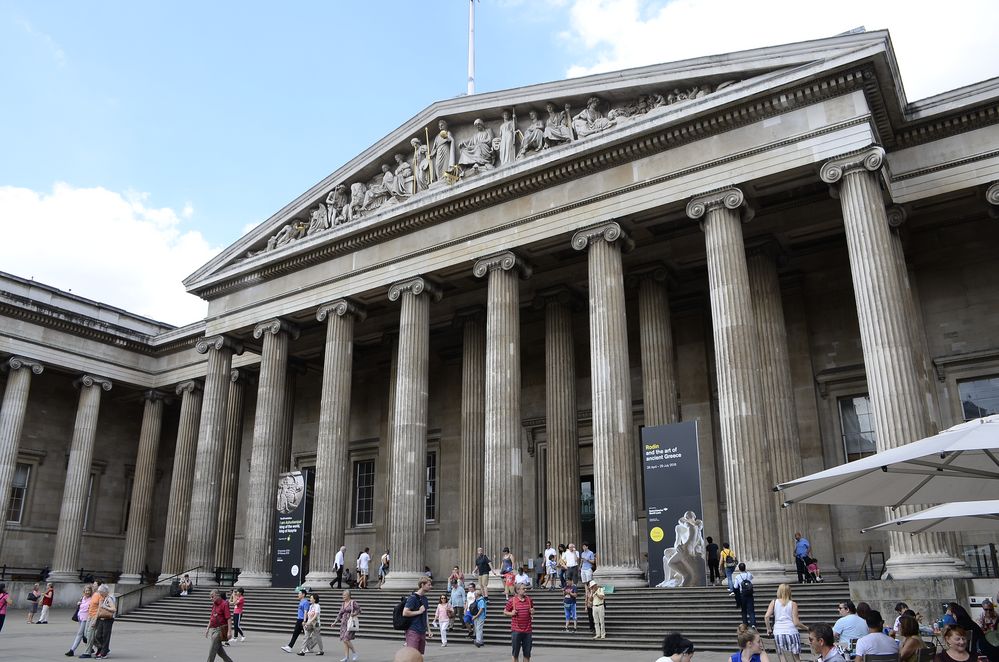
point(142, 641)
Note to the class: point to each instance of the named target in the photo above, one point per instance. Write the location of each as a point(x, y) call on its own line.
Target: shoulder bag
point(353, 622)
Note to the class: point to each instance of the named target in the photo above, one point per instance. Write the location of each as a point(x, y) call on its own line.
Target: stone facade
point(492, 325)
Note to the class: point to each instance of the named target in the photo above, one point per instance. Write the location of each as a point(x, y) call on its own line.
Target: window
point(364, 492)
point(979, 397)
point(88, 520)
point(857, 424)
point(18, 493)
point(432, 486)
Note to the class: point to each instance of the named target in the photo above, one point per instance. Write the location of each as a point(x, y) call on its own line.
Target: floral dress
point(346, 611)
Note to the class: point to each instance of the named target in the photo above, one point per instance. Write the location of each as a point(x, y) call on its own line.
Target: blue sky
point(146, 136)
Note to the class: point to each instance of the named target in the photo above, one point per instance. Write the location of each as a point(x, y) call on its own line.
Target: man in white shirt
point(570, 557)
point(850, 627)
point(877, 642)
point(338, 564)
point(362, 568)
point(522, 578)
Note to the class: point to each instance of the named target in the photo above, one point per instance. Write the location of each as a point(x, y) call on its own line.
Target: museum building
point(458, 335)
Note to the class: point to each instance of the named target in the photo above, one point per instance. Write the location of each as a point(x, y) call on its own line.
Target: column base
point(619, 576)
point(770, 572)
point(397, 579)
point(64, 577)
point(925, 566)
point(249, 578)
point(130, 579)
point(322, 579)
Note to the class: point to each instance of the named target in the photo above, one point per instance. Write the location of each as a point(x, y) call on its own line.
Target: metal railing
point(873, 566)
point(9, 573)
point(159, 583)
point(982, 560)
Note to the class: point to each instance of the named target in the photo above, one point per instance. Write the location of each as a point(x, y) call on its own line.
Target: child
point(814, 574)
point(551, 567)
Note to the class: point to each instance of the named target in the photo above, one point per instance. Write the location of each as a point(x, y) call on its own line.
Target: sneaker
point(302, 653)
point(243, 638)
point(287, 649)
point(70, 654)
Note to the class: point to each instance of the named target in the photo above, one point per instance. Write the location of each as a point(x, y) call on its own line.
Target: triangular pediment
point(457, 144)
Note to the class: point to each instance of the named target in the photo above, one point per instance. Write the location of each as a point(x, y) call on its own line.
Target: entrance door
point(588, 525)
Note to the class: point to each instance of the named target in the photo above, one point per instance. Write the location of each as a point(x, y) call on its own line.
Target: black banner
point(287, 568)
point(673, 505)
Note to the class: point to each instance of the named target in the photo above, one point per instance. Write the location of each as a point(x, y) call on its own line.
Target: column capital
point(868, 159)
point(416, 286)
point(86, 381)
point(729, 197)
point(342, 308)
point(560, 294)
point(897, 216)
point(240, 375)
point(190, 386)
point(504, 260)
point(275, 326)
point(18, 362)
point(609, 232)
point(217, 343)
point(154, 395)
point(992, 194)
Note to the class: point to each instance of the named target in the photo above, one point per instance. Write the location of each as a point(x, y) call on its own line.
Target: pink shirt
point(441, 615)
point(83, 609)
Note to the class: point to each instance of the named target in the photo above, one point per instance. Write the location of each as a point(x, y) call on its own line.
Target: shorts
point(521, 640)
point(586, 575)
point(570, 611)
point(788, 643)
point(417, 640)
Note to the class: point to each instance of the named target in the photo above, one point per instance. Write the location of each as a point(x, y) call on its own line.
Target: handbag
point(353, 624)
point(32, 597)
point(75, 617)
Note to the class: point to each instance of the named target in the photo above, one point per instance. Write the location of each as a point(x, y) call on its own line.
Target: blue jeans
point(728, 576)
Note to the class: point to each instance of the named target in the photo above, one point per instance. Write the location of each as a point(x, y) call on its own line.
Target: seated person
point(877, 642)
point(522, 578)
point(186, 585)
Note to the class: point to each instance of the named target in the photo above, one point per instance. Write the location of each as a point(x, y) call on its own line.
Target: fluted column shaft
point(562, 478)
point(232, 449)
point(615, 479)
point(288, 421)
point(658, 365)
point(203, 529)
point(503, 475)
point(742, 421)
point(329, 512)
point(137, 527)
point(268, 445)
point(407, 500)
point(473, 436)
point(12, 411)
point(66, 559)
point(181, 479)
point(777, 389)
point(897, 400)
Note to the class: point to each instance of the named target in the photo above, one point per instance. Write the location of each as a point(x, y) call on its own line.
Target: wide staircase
point(637, 618)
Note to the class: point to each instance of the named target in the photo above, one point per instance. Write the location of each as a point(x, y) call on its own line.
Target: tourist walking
point(238, 604)
point(750, 646)
point(105, 620)
point(442, 618)
point(599, 606)
point(47, 598)
point(711, 550)
point(363, 562)
point(416, 610)
point(303, 608)
point(338, 563)
point(569, 604)
point(520, 609)
point(507, 564)
point(383, 568)
point(478, 611)
point(457, 597)
point(218, 623)
point(313, 627)
point(88, 632)
point(676, 648)
point(82, 616)
point(727, 562)
point(802, 550)
point(571, 558)
point(5, 601)
point(550, 569)
point(784, 612)
point(560, 564)
point(823, 643)
point(33, 597)
point(743, 582)
point(483, 566)
point(349, 619)
point(588, 563)
point(456, 576)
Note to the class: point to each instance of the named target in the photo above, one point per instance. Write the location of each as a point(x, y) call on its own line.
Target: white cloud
point(54, 49)
point(106, 246)
point(936, 50)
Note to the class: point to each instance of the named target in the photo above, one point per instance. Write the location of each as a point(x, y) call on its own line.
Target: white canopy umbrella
point(960, 463)
point(959, 516)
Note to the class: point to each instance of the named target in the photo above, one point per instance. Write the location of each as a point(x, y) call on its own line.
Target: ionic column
point(203, 529)
point(268, 445)
point(181, 479)
point(503, 476)
point(897, 402)
point(473, 433)
point(742, 421)
point(407, 492)
point(658, 364)
point(330, 509)
point(232, 449)
point(15, 404)
point(66, 558)
point(777, 389)
point(288, 420)
point(562, 479)
point(137, 527)
point(992, 197)
point(613, 424)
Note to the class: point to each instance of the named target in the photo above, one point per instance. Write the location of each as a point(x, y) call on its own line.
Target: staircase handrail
point(161, 580)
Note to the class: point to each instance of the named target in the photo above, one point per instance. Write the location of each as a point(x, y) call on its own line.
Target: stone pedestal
point(15, 404)
point(332, 491)
point(181, 479)
point(614, 467)
point(268, 445)
point(66, 557)
point(502, 492)
point(562, 475)
point(473, 434)
point(897, 399)
point(407, 500)
point(203, 529)
point(658, 364)
point(741, 418)
point(137, 527)
point(232, 449)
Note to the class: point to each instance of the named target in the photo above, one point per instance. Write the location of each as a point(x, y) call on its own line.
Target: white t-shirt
point(338, 561)
point(363, 560)
point(551, 551)
point(469, 599)
point(314, 609)
point(570, 558)
point(522, 579)
point(876, 643)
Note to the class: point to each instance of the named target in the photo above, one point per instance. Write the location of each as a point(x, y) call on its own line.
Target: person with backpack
point(744, 595)
point(415, 610)
point(520, 609)
point(477, 610)
point(727, 563)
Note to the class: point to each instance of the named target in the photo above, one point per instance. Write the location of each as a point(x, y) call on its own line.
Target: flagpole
point(471, 47)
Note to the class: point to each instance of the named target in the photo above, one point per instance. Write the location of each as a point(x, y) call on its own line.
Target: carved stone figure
point(422, 165)
point(684, 561)
point(336, 203)
point(380, 190)
point(476, 153)
point(403, 177)
point(590, 120)
point(507, 139)
point(443, 153)
point(534, 136)
point(558, 126)
point(357, 190)
point(291, 489)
